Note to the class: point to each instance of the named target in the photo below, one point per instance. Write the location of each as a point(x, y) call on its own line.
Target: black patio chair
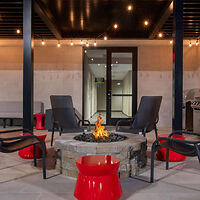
point(12, 144)
point(183, 147)
point(66, 121)
point(65, 101)
point(146, 117)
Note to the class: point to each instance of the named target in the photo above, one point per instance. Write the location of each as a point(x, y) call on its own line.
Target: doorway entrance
point(109, 84)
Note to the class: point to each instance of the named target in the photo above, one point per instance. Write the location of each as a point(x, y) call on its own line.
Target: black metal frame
point(168, 144)
point(14, 140)
point(109, 51)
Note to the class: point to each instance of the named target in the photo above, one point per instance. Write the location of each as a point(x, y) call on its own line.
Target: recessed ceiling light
point(146, 22)
point(92, 59)
point(118, 83)
point(160, 35)
point(116, 62)
point(105, 38)
point(115, 26)
point(18, 31)
point(129, 7)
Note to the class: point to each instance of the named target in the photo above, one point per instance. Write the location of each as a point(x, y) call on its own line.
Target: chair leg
point(167, 159)
point(198, 152)
point(43, 160)
point(152, 164)
point(52, 135)
point(34, 155)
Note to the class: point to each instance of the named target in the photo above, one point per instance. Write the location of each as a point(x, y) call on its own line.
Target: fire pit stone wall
point(131, 152)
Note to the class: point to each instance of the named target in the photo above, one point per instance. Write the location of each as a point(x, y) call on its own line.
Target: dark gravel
point(113, 137)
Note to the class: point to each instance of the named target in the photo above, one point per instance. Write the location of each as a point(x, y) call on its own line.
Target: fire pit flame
point(100, 131)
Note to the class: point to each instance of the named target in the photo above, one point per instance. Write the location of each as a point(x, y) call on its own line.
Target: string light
point(43, 42)
point(160, 35)
point(95, 43)
point(190, 45)
point(129, 7)
point(146, 22)
point(105, 38)
point(18, 31)
point(81, 42)
point(71, 43)
point(115, 26)
point(58, 44)
point(85, 51)
point(171, 41)
point(87, 44)
point(197, 42)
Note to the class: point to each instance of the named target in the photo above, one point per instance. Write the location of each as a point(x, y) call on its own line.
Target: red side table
point(98, 178)
point(27, 153)
point(40, 121)
point(173, 156)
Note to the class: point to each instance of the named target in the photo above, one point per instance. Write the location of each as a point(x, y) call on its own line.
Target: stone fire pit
point(131, 152)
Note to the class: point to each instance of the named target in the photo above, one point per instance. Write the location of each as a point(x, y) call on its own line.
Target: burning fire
point(100, 131)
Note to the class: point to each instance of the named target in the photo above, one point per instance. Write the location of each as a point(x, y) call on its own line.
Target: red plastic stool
point(173, 156)
point(98, 178)
point(40, 121)
point(27, 153)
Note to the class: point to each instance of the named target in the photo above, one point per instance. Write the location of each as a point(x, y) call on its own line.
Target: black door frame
point(109, 51)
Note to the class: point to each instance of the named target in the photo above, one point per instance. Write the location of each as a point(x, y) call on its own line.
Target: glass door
point(122, 85)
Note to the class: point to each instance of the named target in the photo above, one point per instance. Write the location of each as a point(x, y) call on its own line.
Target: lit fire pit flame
point(100, 131)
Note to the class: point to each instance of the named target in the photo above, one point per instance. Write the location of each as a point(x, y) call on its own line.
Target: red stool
point(40, 121)
point(173, 156)
point(98, 178)
point(27, 153)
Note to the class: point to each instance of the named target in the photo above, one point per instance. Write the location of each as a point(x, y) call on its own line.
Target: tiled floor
point(19, 180)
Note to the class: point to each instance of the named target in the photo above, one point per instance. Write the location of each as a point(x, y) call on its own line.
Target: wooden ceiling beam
point(168, 10)
point(47, 18)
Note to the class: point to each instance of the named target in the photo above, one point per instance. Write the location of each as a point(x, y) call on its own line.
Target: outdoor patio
point(20, 180)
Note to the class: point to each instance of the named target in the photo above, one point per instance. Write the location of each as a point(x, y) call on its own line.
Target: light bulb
point(105, 38)
point(87, 44)
point(81, 42)
point(197, 42)
point(190, 45)
point(129, 7)
point(115, 26)
point(71, 43)
point(95, 44)
point(43, 42)
point(58, 45)
point(146, 23)
point(160, 35)
point(171, 41)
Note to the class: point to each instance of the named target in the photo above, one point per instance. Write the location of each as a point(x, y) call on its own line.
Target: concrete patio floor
point(20, 180)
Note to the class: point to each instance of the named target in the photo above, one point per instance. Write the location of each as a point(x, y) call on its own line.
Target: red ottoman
point(40, 121)
point(173, 156)
point(27, 153)
point(98, 178)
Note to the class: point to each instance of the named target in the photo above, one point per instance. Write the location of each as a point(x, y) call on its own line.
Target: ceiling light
point(171, 41)
point(92, 59)
point(43, 42)
point(190, 45)
point(87, 44)
point(197, 42)
point(85, 51)
point(160, 35)
point(58, 45)
point(105, 38)
point(18, 31)
point(95, 43)
point(71, 43)
point(116, 62)
point(81, 42)
point(98, 64)
point(146, 22)
point(118, 83)
point(115, 26)
point(129, 7)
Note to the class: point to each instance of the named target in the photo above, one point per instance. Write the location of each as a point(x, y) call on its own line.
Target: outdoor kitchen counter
point(131, 152)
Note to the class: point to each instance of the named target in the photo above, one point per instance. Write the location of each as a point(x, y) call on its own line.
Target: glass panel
point(121, 73)
point(95, 84)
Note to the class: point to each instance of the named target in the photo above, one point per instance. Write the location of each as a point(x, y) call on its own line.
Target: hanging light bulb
point(87, 44)
point(71, 43)
point(190, 45)
point(43, 42)
point(18, 31)
point(146, 22)
point(160, 35)
point(81, 42)
point(197, 42)
point(129, 7)
point(95, 43)
point(171, 41)
point(58, 44)
point(115, 26)
point(105, 38)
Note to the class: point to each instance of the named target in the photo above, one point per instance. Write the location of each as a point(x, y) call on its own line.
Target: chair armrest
point(85, 121)
point(180, 132)
point(123, 120)
point(11, 131)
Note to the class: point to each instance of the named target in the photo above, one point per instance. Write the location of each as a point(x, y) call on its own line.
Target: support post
point(177, 65)
point(27, 65)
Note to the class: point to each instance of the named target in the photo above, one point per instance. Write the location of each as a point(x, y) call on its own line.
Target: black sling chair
point(183, 147)
point(12, 144)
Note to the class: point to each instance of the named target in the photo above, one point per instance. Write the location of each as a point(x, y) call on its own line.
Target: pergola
point(68, 19)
